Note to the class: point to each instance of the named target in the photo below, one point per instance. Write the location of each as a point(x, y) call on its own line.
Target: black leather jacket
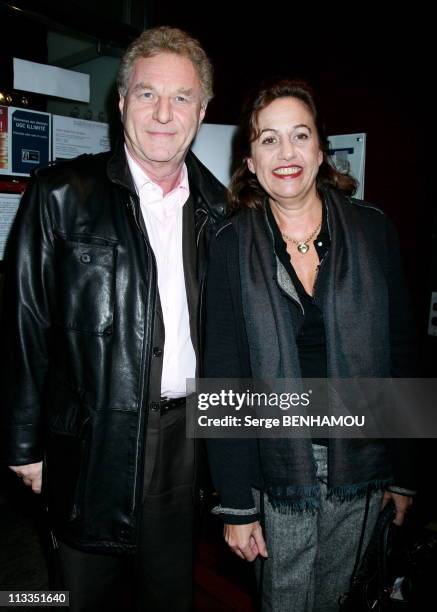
point(79, 305)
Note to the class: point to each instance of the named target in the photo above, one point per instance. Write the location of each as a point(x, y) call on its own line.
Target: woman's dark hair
point(245, 190)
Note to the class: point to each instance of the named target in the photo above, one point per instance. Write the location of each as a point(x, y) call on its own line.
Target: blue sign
point(30, 140)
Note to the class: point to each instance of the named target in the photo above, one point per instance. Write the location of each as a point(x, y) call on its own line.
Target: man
point(102, 328)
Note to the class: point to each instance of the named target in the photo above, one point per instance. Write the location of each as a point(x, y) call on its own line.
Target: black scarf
point(352, 294)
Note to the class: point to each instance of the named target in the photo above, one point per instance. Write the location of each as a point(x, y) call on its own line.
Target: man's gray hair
point(166, 40)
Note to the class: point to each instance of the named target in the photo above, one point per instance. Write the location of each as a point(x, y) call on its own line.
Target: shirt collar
point(142, 181)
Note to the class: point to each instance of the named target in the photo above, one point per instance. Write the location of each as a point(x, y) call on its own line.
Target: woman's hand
point(402, 504)
point(247, 541)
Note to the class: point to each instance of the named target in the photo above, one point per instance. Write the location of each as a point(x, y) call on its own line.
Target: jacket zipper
point(79, 493)
point(199, 335)
point(145, 358)
point(201, 295)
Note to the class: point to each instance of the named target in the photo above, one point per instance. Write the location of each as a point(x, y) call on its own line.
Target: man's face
point(162, 110)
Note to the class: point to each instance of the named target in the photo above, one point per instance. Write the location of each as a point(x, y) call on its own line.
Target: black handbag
point(370, 584)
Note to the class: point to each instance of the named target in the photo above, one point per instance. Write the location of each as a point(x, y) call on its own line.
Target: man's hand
point(31, 475)
point(401, 502)
point(247, 541)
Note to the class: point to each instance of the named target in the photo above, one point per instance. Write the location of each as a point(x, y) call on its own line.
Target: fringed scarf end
point(288, 499)
point(346, 493)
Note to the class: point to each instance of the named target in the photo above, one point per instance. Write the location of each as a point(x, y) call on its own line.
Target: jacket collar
point(118, 168)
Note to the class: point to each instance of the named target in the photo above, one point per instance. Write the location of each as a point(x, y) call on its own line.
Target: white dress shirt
point(163, 219)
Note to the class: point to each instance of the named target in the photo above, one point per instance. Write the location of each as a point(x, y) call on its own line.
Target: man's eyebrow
point(140, 86)
point(185, 92)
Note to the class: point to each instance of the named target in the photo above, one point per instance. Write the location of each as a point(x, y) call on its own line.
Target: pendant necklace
point(302, 245)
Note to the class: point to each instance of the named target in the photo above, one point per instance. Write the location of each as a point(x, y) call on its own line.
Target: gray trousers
point(311, 556)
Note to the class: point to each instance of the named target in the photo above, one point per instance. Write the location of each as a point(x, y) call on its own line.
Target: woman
point(304, 281)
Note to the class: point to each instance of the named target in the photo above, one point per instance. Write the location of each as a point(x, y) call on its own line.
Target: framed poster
point(73, 137)
point(4, 139)
point(348, 154)
point(25, 142)
point(8, 209)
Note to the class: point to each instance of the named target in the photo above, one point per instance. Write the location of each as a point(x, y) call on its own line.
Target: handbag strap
point(262, 559)
point(343, 599)
point(383, 543)
point(361, 540)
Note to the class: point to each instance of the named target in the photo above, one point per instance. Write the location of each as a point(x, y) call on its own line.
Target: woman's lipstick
point(287, 172)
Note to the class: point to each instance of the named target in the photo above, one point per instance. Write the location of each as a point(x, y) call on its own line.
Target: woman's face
point(286, 155)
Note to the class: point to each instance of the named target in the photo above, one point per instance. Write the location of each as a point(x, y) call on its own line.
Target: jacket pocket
point(85, 286)
point(67, 407)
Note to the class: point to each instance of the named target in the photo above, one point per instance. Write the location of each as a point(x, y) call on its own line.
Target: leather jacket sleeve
point(25, 328)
